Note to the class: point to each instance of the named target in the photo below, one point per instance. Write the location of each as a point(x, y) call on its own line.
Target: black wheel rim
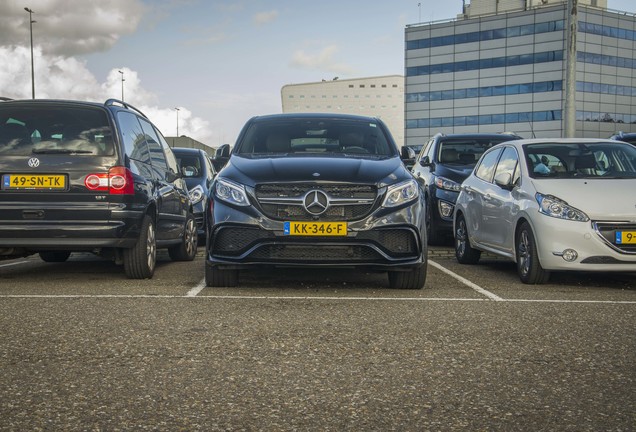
point(461, 238)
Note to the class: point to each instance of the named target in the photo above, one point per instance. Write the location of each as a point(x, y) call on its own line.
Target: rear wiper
point(61, 151)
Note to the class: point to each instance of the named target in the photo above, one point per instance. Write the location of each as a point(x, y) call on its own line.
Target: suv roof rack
point(111, 102)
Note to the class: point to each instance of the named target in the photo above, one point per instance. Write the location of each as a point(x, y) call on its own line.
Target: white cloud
point(65, 29)
point(58, 77)
point(265, 17)
point(323, 60)
point(62, 27)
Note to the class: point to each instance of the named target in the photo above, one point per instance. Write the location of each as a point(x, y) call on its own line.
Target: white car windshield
point(581, 160)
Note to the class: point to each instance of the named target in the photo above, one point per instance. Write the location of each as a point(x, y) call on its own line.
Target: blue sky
point(220, 62)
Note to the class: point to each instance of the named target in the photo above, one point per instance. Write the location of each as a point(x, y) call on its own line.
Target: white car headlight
point(231, 192)
point(196, 194)
point(446, 184)
point(401, 193)
point(552, 206)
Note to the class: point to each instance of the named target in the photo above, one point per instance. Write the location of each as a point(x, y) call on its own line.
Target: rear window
point(189, 164)
point(316, 137)
point(30, 130)
point(465, 151)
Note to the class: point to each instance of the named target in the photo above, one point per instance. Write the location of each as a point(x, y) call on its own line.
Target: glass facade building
point(506, 72)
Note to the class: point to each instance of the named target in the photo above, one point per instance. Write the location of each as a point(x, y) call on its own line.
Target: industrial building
point(186, 141)
point(381, 96)
point(501, 65)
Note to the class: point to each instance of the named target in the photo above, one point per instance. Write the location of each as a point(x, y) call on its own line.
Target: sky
point(219, 62)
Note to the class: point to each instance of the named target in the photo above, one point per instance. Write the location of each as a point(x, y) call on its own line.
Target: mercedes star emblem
point(316, 202)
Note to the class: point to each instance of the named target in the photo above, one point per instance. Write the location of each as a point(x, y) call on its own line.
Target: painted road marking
point(466, 282)
point(13, 263)
point(304, 298)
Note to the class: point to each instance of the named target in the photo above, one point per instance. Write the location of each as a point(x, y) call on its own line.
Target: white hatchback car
point(551, 204)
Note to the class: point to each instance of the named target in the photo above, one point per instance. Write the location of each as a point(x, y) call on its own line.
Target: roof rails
point(111, 102)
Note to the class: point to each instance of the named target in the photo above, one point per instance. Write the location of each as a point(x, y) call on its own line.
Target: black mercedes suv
point(316, 190)
point(89, 177)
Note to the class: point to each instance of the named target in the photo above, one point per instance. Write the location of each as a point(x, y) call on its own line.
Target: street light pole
point(122, 85)
point(177, 121)
point(31, 33)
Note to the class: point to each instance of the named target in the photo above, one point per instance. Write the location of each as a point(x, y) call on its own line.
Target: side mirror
point(425, 161)
point(221, 156)
point(504, 181)
point(172, 176)
point(407, 153)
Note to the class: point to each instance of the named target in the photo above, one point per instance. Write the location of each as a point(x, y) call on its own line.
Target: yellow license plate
point(315, 228)
point(34, 181)
point(625, 237)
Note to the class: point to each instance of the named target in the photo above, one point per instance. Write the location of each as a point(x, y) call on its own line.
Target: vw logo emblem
point(316, 202)
point(34, 162)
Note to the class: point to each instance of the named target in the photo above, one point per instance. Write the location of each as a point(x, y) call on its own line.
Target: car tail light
point(117, 181)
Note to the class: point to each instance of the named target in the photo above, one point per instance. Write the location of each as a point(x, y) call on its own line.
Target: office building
point(381, 97)
point(501, 66)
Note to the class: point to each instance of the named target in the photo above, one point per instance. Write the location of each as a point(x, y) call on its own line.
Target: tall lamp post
point(177, 121)
point(30, 11)
point(122, 85)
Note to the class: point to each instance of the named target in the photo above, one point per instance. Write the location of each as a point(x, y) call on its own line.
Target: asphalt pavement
point(84, 348)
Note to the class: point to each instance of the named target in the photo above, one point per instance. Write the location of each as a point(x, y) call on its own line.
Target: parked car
point(316, 190)
point(90, 177)
point(441, 167)
point(197, 170)
point(625, 137)
point(578, 215)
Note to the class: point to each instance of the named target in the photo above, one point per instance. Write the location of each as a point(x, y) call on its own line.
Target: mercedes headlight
point(401, 193)
point(231, 192)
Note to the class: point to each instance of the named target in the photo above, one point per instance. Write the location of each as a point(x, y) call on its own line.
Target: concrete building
point(185, 141)
point(381, 96)
point(500, 66)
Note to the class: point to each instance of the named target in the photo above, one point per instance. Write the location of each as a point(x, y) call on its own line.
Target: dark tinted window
point(133, 136)
point(191, 164)
point(465, 151)
point(157, 158)
point(54, 129)
point(305, 136)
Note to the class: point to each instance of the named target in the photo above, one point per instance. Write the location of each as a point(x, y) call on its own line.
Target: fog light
point(445, 209)
point(570, 255)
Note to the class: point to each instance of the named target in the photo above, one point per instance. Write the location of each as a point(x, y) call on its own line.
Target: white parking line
point(466, 282)
point(303, 298)
point(13, 263)
point(197, 289)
